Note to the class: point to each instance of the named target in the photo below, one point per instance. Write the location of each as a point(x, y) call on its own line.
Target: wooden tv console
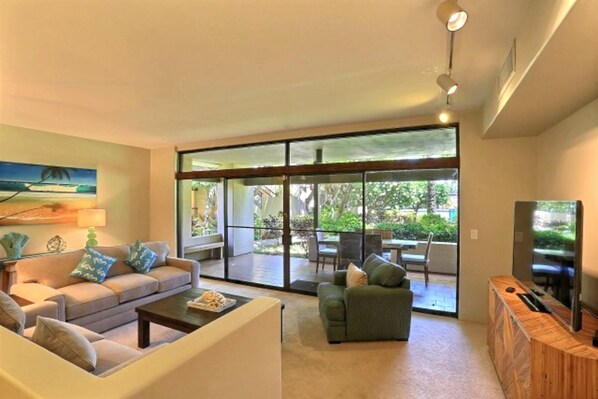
point(535, 355)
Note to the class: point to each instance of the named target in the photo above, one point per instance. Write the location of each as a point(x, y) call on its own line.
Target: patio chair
point(324, 252)
point(373, 244)
point(419, 260)
point(350, 247)
point(386, 235)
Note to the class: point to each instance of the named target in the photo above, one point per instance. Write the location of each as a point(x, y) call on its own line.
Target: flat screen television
point(547, 245)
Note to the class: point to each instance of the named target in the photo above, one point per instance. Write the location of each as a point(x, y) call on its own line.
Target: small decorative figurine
point(56, 244)
point(13, 244)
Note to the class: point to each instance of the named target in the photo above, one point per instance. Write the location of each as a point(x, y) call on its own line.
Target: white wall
point(123, 185)
point(494, 174)
point(568, 169)
point(162, 204)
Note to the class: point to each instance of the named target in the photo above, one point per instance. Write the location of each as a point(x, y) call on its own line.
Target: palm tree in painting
point(49, 172)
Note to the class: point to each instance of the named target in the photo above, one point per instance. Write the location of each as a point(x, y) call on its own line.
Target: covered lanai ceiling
point(167, 72)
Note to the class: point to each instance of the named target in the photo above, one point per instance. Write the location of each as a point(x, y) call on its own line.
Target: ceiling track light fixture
point(447, 84)
point(451, 15)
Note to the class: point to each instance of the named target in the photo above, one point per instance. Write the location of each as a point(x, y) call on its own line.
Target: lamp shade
point(91, 217)
point(447, 84)
point(451, 15)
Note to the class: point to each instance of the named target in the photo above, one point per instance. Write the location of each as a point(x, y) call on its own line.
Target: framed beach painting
point(42, 194)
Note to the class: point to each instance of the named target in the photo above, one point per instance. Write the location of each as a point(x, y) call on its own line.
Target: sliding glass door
point(288, 214)
point(323, 209)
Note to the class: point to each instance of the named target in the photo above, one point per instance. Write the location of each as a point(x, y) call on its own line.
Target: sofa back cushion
point(161, 249)
point(382, 272)
point(51, 270)
point(120, 252)
point(11, 314)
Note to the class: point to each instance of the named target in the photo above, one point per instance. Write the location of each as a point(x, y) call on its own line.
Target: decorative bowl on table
point(212, 301)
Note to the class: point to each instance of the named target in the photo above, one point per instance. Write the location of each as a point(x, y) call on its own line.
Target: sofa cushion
point(382, 272)
point(93, 266)
point(161, 249)
point(169, 277)
point(331, 300)
point(89, 335)
point(50, 270)
point(120, 252)
point(356, 277)
point(11, 314)
point(111, 354)
point(131, 286)
point(141, 258)
point(59, 338)
point(87, 298)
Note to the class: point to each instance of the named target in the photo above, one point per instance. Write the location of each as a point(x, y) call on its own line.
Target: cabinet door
point(491, 322)
point(517, 360)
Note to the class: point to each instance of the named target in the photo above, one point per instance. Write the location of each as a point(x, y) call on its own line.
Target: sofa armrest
point(45, 309)
point(376, 312)
point(188, 265)
point(36, 293)
point(340, 277)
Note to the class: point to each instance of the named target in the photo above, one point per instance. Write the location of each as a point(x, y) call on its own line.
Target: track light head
point(451, 15)
point(444, 116)
point(447, 84)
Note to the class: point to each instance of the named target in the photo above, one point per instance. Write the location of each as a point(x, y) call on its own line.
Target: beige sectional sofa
point(100, 307)
point(203, 364)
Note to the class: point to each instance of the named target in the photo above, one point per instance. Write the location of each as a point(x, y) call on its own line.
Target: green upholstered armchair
point(379, 311)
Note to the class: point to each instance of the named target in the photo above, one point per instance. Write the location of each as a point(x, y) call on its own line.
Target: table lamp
point(91, 218)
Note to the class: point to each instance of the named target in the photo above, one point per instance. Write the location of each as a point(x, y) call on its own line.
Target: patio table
point(395, 246)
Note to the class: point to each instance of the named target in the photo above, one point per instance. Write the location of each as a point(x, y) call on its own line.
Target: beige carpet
point(444, 358)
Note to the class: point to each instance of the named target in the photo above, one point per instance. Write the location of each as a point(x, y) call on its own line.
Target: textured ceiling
point(159, 73)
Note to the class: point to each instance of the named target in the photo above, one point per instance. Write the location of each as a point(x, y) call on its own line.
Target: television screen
point(547, 255)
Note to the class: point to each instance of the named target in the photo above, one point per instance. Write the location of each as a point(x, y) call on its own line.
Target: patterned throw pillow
point(93, 266)
point(141, 258)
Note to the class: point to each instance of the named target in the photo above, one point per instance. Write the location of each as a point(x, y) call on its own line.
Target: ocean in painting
point(39, 194)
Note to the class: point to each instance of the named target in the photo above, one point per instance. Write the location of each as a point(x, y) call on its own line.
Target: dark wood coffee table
point(174, 313)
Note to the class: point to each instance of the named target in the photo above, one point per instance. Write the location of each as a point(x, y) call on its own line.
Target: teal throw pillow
point(93, 266)
point(141, 258)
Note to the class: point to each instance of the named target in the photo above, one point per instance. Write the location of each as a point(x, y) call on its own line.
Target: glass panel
point(417, 144)
point(255, 219)
point(256, 256)
point(234, 158)
point(407, 206)
point(201, 204)
point(333, 203)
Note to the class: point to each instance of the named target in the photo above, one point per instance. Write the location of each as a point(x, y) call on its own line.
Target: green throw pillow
point(141, 258)
point(382, 272)
point(93, 266)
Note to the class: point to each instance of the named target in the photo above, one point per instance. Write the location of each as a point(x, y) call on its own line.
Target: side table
point(9, 274)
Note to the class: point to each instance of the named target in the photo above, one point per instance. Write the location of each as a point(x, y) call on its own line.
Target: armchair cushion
point(382, 272)
point(11, 314)
point(59, 338)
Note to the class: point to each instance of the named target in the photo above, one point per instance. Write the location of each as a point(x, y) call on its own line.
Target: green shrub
point(418, 229)
point(349, 221)
point(551, 239)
